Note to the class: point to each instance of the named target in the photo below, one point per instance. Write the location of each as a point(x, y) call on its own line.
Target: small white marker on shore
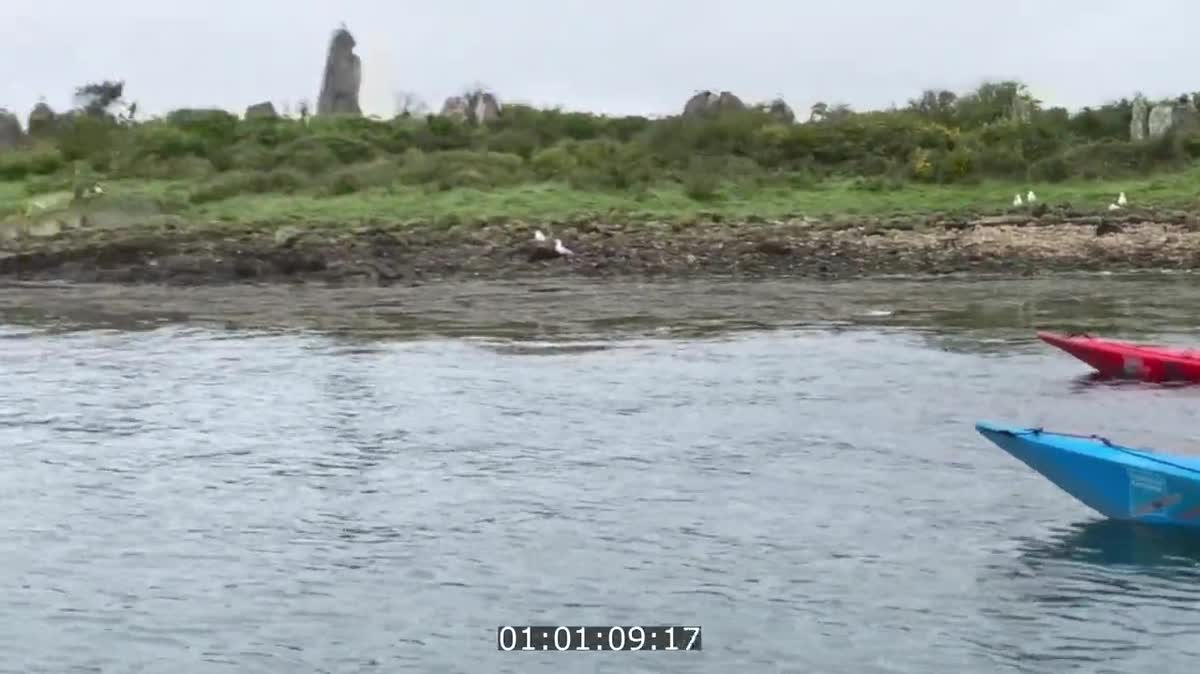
point(1121, 199)
point(1031, 197)
point(1017, 200)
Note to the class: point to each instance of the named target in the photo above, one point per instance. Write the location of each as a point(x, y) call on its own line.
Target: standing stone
point(1161, 119)
point(484, 107)
point(42, 121)
point(1138, 129)
point(11, 134)
point(264, 110)
point(708, 102)
point(343, 77)
point(456, 108)
point(476, 107)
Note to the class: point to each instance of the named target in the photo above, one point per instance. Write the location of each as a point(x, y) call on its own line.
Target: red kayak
point(1114, 358)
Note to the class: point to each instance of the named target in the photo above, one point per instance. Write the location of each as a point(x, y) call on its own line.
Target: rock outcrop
point(476, 107)
point(42, 121)
point(343, 77)
point(11, 134)
point(264, 110)
point(708, 103)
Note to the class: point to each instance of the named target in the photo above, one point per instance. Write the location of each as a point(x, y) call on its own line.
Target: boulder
point(342, 78)
point(264, 110)
point(11, 134)
point(42, 121)
point(708, 102)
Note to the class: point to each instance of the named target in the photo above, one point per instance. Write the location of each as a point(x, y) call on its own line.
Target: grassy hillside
point(941, 152)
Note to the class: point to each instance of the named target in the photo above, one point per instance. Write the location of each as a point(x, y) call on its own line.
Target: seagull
point(538, 236)
point(1017, 200)
point(1030, 197)
point(1121, 199)
point(561, 249)
point(1114, 207)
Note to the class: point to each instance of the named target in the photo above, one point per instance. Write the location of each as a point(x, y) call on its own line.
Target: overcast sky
point(615, 56)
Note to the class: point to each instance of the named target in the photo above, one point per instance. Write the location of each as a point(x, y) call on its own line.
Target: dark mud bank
point(385, 255)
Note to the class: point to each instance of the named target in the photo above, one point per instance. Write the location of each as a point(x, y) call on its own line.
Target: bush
point(702, 181)
point(351, 179)
point(553, 163)
point(1050, 170)
point(461, 168)
point(40, 161)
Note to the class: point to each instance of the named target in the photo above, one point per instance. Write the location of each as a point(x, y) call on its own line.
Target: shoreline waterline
point(385, 254)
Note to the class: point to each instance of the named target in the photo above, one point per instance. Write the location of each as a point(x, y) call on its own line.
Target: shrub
point(351, 179)
point(39, 161)
point(461, 168)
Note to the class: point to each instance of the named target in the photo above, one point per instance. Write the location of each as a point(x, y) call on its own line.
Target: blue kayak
point(1116, 481)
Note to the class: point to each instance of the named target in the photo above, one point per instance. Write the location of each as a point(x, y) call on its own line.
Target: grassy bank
point(942, 152)
point(557, 201)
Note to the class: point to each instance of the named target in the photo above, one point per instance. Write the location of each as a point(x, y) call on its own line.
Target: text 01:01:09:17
point(598, 638)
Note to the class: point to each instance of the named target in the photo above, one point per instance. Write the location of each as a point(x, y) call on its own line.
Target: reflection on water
point(961, 309)
point(298, 479)
point(1113, 543)
point(1128, 592)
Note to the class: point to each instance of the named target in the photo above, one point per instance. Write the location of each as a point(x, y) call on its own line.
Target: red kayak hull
point(1113, 358)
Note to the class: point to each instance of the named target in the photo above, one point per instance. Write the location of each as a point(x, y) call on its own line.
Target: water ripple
point(286, 500)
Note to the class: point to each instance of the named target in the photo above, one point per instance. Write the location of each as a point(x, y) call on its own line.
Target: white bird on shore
point(561, 249)
point(538, 236)
point(1030, 197)
point(1114, 207)
point(1121, 199)
point(1017, 200)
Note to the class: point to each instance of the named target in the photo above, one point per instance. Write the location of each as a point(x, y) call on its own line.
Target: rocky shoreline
point(179, 253)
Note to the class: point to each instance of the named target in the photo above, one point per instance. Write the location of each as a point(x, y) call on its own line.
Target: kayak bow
point(1115, 358)
point(1117, 481)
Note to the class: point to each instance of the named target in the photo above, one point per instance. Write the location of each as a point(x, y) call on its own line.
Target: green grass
point(550, 201)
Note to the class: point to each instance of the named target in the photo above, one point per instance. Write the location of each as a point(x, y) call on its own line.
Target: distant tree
point(98, 98)
point(408, 104)
point(937, 105)
point(993, 101)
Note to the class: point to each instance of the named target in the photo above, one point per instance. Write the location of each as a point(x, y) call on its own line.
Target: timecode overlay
point(599, 638)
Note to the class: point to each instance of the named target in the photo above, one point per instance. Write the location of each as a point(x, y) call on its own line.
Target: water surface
point(301, 480)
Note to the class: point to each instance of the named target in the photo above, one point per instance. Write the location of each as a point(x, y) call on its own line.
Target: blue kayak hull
point(1118, 482)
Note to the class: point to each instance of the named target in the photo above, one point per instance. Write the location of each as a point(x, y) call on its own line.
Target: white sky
point(614, 56)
